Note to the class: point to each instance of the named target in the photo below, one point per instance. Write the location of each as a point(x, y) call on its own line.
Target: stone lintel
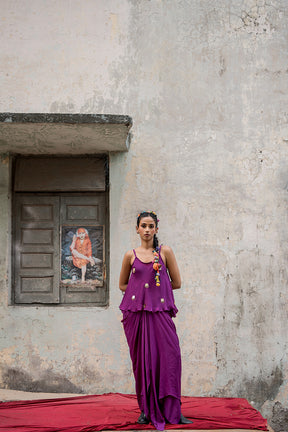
point(46, 133)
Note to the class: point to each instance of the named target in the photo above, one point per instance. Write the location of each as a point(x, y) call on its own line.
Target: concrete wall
point(206, 85)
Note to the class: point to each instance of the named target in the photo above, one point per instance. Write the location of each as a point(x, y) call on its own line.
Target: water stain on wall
point(16, 379)
point(262, 388)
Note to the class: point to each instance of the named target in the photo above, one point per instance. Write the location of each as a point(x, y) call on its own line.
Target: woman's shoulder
point(129, 256)
point(166, 250)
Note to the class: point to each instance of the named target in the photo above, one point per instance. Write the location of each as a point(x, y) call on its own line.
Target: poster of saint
point(82, 255)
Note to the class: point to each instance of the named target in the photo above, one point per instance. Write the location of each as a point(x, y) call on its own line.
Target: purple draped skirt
point(156, 358)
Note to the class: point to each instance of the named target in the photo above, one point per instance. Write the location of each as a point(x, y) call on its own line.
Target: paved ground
point(11, 395)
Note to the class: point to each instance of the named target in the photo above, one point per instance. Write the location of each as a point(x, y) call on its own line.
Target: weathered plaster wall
point(206, 85)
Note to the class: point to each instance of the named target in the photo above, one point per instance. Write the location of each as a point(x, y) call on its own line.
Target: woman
point(148, 307)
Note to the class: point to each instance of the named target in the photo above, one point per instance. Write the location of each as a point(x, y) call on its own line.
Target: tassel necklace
point(156, 267)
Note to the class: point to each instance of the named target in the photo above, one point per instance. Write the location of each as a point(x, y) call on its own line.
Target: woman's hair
point(156, 220)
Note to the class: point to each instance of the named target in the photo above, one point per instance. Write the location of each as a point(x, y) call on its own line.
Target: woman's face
point(147, 228)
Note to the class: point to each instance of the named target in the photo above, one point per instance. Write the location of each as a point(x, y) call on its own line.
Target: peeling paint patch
point(114, 25)
point(279, 420)
point(254, 18)
point(4, 158)
point(223, 66)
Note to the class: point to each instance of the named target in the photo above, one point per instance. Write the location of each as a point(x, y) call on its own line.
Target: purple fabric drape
point(156, 358)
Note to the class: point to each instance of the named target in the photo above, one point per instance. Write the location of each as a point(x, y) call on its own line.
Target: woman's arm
point(173, 269)
point(125, 271)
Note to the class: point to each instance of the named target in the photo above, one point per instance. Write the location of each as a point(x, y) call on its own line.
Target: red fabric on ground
point(115, 411)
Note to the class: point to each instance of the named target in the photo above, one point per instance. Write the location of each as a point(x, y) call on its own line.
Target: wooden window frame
point(87, 294)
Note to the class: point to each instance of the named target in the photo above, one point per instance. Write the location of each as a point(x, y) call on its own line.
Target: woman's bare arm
point(172, 267)
point(125, 270)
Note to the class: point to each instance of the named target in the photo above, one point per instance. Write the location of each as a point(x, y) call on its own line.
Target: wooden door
point(86, 213)
point(45, 269)
point(36, 249)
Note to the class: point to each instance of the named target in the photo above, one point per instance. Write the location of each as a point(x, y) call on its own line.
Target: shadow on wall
point(15, 379)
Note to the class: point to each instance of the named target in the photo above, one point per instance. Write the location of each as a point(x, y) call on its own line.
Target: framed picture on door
point(82, 255)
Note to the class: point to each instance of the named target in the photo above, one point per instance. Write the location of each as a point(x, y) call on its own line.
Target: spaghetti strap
point(160, 256)
point(134, 253)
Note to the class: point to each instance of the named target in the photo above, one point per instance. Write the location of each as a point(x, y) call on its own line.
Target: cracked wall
point(206, 86)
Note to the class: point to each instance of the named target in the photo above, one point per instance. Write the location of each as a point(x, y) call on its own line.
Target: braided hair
point(154, 217)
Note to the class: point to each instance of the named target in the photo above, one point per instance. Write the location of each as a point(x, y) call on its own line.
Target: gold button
point(144, 306)
point(133, 297)
point(133, 270)
point(146, 285)
point(162, 300)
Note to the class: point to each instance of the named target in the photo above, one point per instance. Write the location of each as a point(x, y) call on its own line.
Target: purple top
point(143, 294)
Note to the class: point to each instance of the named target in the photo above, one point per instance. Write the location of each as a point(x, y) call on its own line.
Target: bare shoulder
point(166, 251)
point(167, 254)
point(129, 257)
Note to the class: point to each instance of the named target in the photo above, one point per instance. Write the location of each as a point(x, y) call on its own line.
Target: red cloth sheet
point(115, 411)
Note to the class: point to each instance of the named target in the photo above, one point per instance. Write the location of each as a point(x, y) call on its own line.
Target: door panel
point(50, 174)
point(86, 212)
point(82, 212)
point(36, 251)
